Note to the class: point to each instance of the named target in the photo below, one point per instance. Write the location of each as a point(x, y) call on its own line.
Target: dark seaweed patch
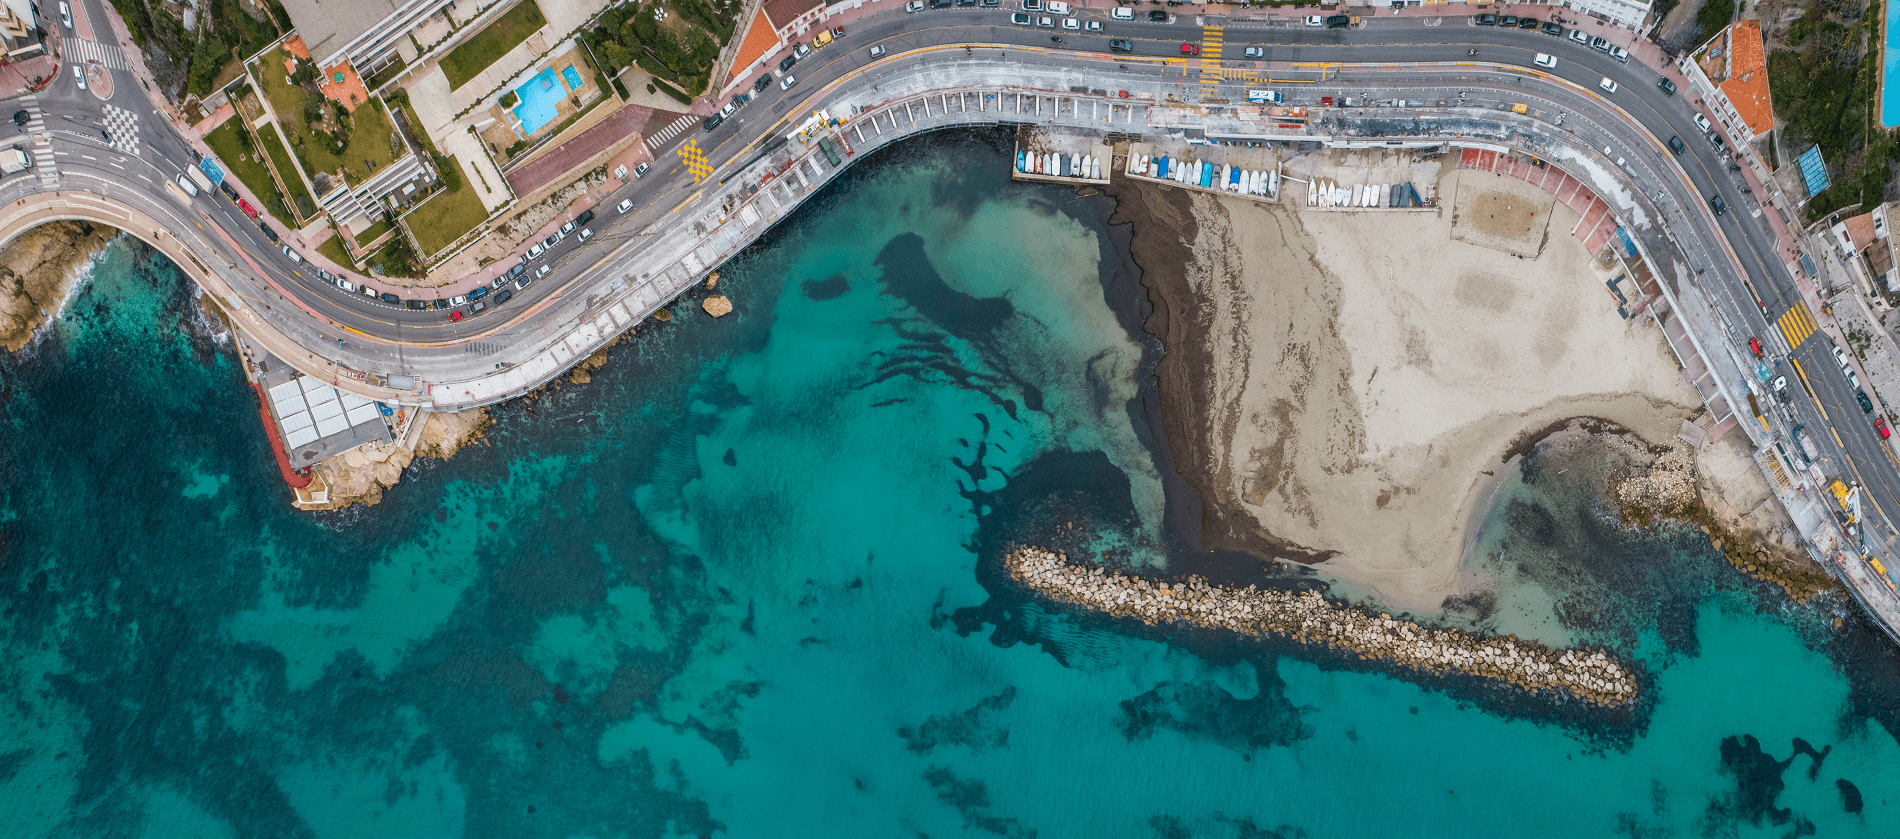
point(828, 288)
point(970, 727)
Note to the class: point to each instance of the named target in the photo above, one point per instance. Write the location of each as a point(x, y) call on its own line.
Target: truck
point(824, 144)
point(1804, 444)
point(1263, 97)
point(14, 160)
point(198, 177)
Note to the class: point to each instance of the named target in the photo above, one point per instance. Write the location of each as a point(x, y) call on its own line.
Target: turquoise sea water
point(743, 584)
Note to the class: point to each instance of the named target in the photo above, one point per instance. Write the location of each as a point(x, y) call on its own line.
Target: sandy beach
point(1341, 387)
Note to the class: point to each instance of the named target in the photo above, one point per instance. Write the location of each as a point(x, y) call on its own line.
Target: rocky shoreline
point(1592, 676)
point(37, 270)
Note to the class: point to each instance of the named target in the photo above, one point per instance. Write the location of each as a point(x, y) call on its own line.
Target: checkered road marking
point(123, 125)
point(695, 161)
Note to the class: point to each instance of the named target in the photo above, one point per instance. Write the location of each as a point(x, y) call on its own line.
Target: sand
point(1340, 388)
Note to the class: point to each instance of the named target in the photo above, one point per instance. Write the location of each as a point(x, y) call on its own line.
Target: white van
point(185, 184)
point(1057, 7)
point(1120, 13)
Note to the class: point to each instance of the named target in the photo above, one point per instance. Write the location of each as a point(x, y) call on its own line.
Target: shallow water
point(743, 584)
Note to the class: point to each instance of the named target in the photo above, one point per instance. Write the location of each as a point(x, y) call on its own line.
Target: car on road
point(1579, 36)
point(1254, 52)
point(877, 51)
point(1553, 29)
point(1316, 20)
point(1666, 86)
point(66, 15)
point(728, 110)
point(1545, 59)
point(1528, 23)
point(1094, 26)
point(1190, 49)
point(640, 171)
point(477, 308)
point(712, 122)
point(1021, 19)
point(391, 299)
point(1046, 20)
point(503, 296)
point(415, 305)
point(536, 250)
point(1715, 139)
point(1676, 146)
point(1507, 21)
point(1071, 23)
point(1600, 44)
point(1120, 13)
point(786, 63)
point(1880, 426)
point(1702, 122)
point(1717, 204)
point(79, 75)
point(787, 82)
point(478, 293)
point(543, 272)
point(625, 205)
point(1157, 16)
point(1866, 405)
point(1619, 54)
point(1120, 45)
point(914, 6)
point(764, 82)
point(1607, 85)
point(454, 316)
point(295, 258)
point(1338, 22)
point(246, 207)
point(586, 233)
point(458, 300)
point(565, 229)
point(800, 50)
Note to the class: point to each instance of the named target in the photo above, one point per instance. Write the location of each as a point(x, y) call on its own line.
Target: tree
point(615, 55)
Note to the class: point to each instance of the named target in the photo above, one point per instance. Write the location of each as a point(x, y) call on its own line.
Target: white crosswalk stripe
point(82, 49)
point(123, 125)
point(658, 141)
point(35, 127)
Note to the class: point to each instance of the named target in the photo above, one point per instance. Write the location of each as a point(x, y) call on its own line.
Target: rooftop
point(330, 25)
point(1738, 63)
point(760, 39)
point(783, 12)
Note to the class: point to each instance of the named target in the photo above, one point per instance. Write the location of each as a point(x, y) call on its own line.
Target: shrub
point(621, 89)
point(509, 100)
point(675, 93)
point(451, 174)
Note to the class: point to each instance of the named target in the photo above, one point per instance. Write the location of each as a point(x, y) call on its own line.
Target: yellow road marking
point(1797, 324)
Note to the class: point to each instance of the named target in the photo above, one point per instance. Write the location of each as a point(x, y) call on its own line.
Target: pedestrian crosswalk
point(1210, 60)
point(123, 127)
point(658, 140)
point(1797, 324)
point(83, 49)
point(43, 162)
point(695, 160)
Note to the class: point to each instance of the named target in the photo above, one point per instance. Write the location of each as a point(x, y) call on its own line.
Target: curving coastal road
point(1729, 259)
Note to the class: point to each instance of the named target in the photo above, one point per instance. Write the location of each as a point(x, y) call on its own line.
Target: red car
point(454, 316)
point(1754, 346)
point(1190, 49)
point(1880, 425)
point(247, 208)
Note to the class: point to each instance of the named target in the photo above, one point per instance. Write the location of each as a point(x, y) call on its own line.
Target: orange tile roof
point(350, 92)
point(760, 39)
point(1861, 229)
point(1747, 82)
point(294, 46)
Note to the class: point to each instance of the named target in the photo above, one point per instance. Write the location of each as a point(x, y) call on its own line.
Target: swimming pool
point(1889, 96)
point(540, 95)
point(573, 78)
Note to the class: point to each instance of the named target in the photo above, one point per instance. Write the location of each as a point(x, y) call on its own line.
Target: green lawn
point(374, 232)
point(370, 129)
point(489, 45)
point(293, 185)
point(240, 162)
point(443, 219)
point(333, 248)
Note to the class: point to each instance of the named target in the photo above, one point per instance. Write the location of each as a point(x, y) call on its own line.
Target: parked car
point(246, 207)
point(346, 285)
point(712, 122)
point(369, 292)
point(1020, 19)
point(1508, 20)
point(1619, 54)
point(478, 293)
point(1580, 37)
point(624, 205)
point(1553, 29)
point(295, 258)
point(1702, 122)
point(790, 60)
point(586, 233)
point(1866, 405)
point(268, 233)
point(1715, 139)
point(536, 250)
point(458, 300)
point(519, 269)
point(438, 303)
point(1158, 16)
point(1528, 23)
point(503, 296)
point(585, 217)
point(801, 50)
point(1120, 13)
point(764, 82)
point(1316, 20)
point(727, 110)
point(391, 299)
point(1032, 5)
point(641, 170)
point(1338, 22)
point(914, 6)
point(1880, 426)
point(1666, 86)
point(1600, 44)
point(788, 82)
point(415, 305)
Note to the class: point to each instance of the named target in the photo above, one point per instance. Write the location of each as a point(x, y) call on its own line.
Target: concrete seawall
point(1592, 676)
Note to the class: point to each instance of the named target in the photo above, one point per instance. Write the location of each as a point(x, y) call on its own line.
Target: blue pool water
point(539, 94)
point(1889, 96)
point(742, 584)
point(573, 78)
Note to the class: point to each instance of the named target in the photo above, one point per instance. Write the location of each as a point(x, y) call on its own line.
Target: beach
point(1341, 388)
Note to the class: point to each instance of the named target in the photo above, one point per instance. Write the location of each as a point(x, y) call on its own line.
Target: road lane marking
point(1797, 324)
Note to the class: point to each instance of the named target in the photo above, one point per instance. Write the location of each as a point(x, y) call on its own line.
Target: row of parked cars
point(1555, 30)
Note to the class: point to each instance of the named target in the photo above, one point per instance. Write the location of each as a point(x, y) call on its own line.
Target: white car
point(1315, 20)
point(640, 171)
point(1057, 7)
point(66, 15)
point(1607, 85)
point(566, 229)
point(625, 205)
point(914, 6)
point(346, 285)
point(294, 257)
point(1546, 60)
point(1254, 52)
point(1046, 20)
point(1120, 13)
point(787, 82)
point(458, 300)
point(79, 76)
point(1093, 26)
point(1070, 23)
point(1702, 122)
point(877, 51)
point(536, 250)
point(586, 233)
point(1841, 358)
point(370, 292)
point(727, 110)
point(1578, 36)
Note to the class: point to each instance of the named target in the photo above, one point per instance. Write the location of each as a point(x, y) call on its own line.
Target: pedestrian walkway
point(659, 138)
point(123, 127)
point(1210, 60)
point(695, 161)
point(81, 49)
point(1796, 324)
point(43, 161)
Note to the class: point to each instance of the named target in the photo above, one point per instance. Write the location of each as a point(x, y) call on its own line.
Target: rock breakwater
point(1307, 617)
